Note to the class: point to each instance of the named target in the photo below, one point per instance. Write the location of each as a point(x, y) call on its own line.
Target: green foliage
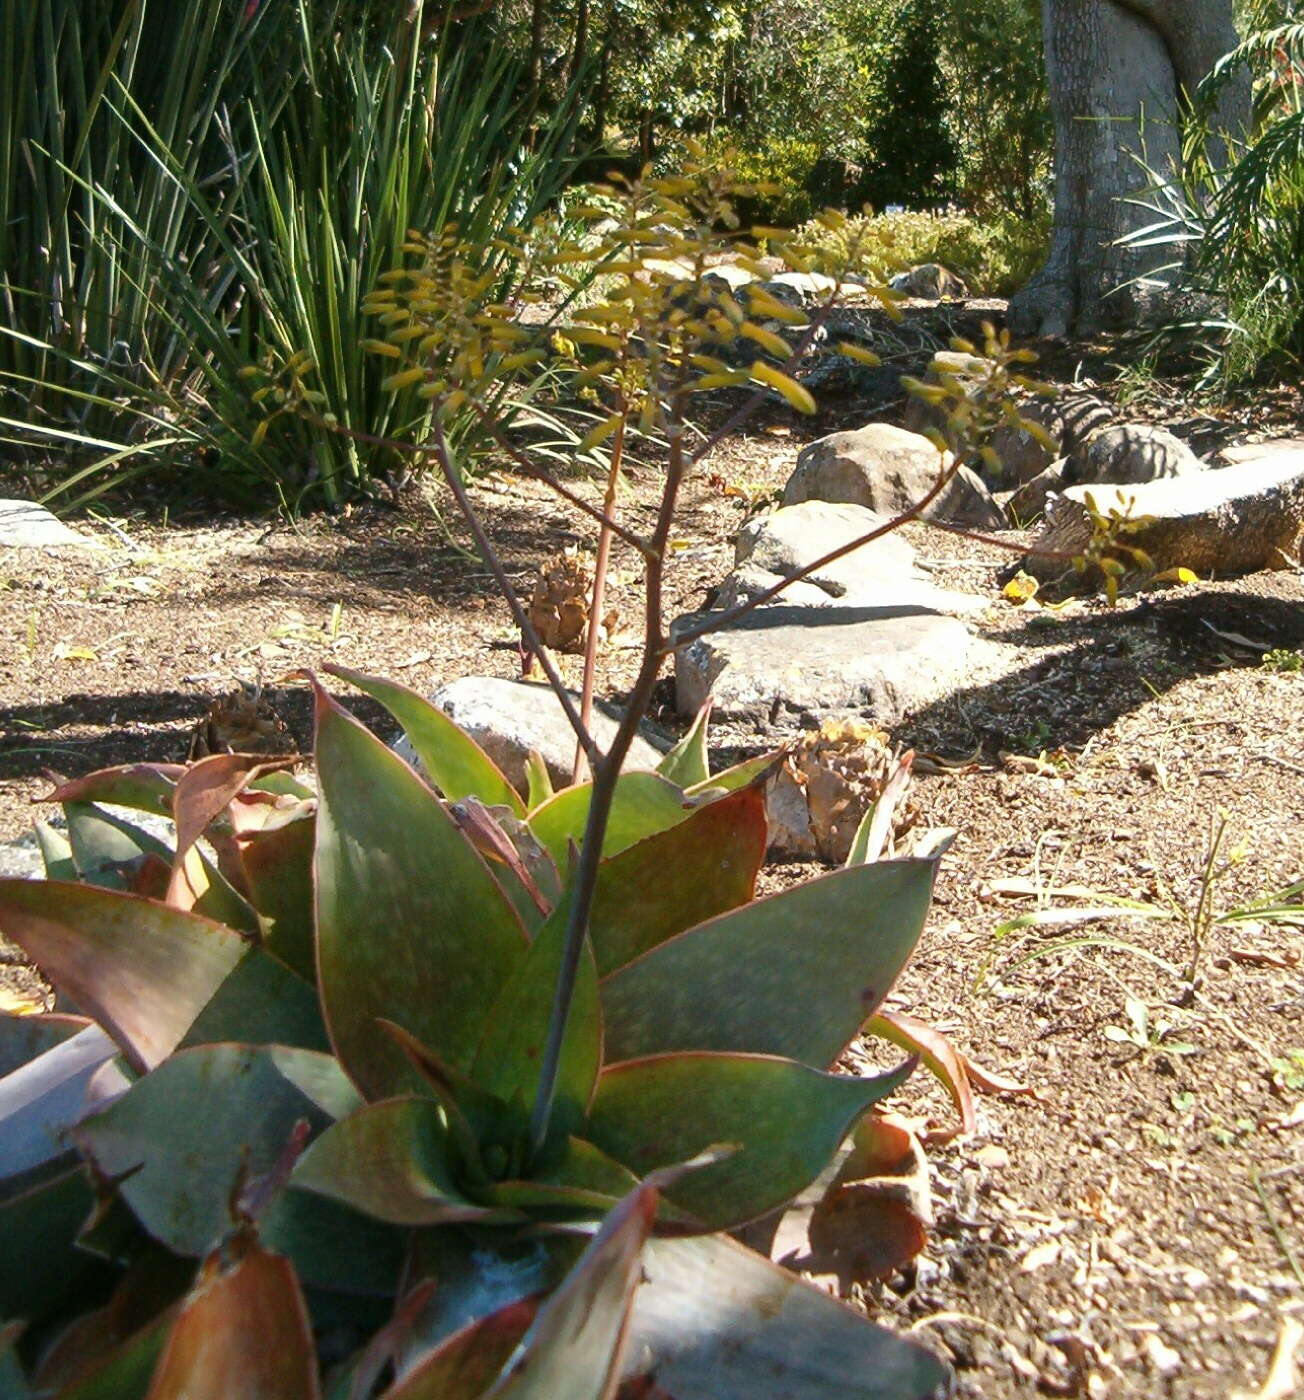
point(1283, 660)
point(994, 254)
point(381, 1091)
point(913, 155)
point(1235, 220)
point(999, 109)
point(222, 191)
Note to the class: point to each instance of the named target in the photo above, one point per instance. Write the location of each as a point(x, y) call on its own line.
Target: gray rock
point(748, 581)
point(21, 859)
point(509, 718)
point(1029, 501)
point(730, 274)
point(795, 662)
point(888, 469)
point(1023, 456)
point(801, 288)
point(929, 282)
point(25, 525)
point(1129, 454)
point(789, 539)
point(1253, 451)
point(1227, 522)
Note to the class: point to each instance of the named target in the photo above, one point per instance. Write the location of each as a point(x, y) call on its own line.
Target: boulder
point(25, 525)
point(509, 718)
point(789, 539)
point(1232, 521)
point(887, 470)
point(748, 582)
point(1252, 451)
point(1023, 456)
point(1029, 501)
point(1129, 454)
point(929, 282)
point(783, 665)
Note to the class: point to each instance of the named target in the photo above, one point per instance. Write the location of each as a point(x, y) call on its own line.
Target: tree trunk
point(1119, 71)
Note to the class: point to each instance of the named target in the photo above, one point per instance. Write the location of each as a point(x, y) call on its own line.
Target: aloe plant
point(345, 993)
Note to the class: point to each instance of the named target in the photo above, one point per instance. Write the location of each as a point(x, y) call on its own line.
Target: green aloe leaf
point(465, 1365)
point(456, 764)
point(39, 1264)
point(739, 776)
point(147, 787)
point(261, 1003)
point(712, 858)
point(796, 975)
point(144, 971)
point(537, 779)
point(644, 804)
point(715, 1321)
point(574, 1346)
point(785, 1119)
point(182, 1138)
point(106, 848)
point(394, 1161)
point(686, 764)
point(276, 861)
point(508, 1057)
point(211, 1352)
point(56, 853)
point(411, 925)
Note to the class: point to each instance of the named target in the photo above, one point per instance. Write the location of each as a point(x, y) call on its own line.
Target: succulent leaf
point(785, 1119)
point(394, 1161)
point(143, 970)
point(510, 1051)
point(182, 1138)
point(645, 803)
point(208, 1354)
point(686, 764)
point(411, 925)
point(748, 980)
point(714, 855)
point(719, 1322)
point(455, 763)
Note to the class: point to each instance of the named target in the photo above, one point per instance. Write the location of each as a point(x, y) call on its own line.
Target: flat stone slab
point(510, 718)
point(795, 536)
point(25, 525)
point(747, 582)
point(792, 662)
point(1235, 520)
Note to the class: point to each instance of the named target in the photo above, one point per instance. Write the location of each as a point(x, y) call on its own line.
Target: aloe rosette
point(308, 1036)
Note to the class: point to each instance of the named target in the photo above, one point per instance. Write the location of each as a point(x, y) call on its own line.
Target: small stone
point(26, 525)
point(1161, 1356)
point(929, 282)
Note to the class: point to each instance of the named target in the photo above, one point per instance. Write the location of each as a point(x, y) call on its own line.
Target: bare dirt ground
point(1137, 1228)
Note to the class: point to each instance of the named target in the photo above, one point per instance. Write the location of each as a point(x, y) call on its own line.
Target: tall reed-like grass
point(189, 191)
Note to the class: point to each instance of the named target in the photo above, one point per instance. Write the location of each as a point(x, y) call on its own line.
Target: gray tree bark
point(1119, 72)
